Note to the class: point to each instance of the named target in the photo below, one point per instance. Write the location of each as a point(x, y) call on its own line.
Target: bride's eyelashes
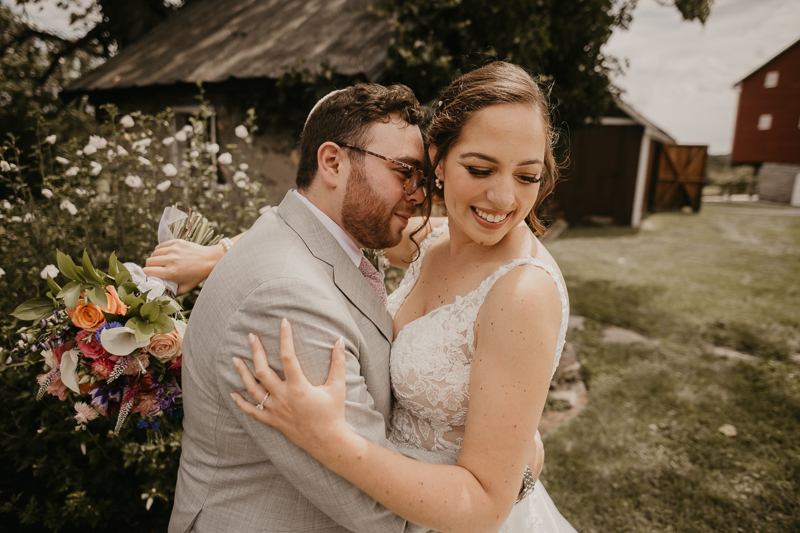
point(482, 173)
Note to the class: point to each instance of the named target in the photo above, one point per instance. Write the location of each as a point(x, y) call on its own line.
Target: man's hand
point(185, 263)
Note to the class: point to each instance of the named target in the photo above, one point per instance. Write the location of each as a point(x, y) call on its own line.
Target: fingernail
point(235, 361)
point(233, 397)
point(284, 323)
point(341, 341)
point(251, 337)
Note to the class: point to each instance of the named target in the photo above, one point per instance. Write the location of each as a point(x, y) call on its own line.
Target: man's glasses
point(415, 178)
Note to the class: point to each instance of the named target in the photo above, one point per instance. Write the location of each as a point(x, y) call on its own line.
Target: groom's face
point(375, 210)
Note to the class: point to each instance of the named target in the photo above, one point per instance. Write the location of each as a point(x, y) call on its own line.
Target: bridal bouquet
point(111, 341)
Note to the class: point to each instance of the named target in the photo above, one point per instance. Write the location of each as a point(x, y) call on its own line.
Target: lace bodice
point(432, 357)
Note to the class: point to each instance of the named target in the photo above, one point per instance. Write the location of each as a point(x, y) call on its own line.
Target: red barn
point(767, 131)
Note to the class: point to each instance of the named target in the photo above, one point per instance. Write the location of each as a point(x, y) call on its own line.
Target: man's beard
point(364, 217)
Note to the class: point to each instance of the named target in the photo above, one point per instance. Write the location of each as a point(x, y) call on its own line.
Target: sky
point(681, 75)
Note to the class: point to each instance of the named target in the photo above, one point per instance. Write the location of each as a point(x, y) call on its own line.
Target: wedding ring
point(261, 405)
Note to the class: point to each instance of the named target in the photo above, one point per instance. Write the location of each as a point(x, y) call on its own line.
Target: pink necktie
point(373, 277)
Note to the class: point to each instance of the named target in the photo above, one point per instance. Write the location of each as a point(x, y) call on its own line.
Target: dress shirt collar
point(341, 236)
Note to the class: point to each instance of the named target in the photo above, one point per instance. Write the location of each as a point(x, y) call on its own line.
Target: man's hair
point(345, 117)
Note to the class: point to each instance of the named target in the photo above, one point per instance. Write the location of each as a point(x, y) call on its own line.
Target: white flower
point(164, 185)
point(186, 164)
point(66, 205)
point(243, 167)
point(13, 166)
point(194, 154)
point(153, 288)
point(16, 219)
point(110, 154)
point(181, 136)
point(72, 171)
point(79, 153)
point(212, 148)
point(50, 359)
point(141, 145)
point(50, 139)
point(133, 181)
point(187, 128)
point(81, 192)
point(4, 166)
point(89, 149)
point(62, 160)
point(49, 270)
point(6, 204)
point(69, 369)
point(98, 142)
point(2, 272)
point(241, 132)
point(28, 217)
point(239, 175)
point(47, 193)
point(121, 341)
point(97, 168)
point(121, 151)
point(225, 159)
point(168, 141)
point(126, 121)
point(170, 170)
point(145, 162)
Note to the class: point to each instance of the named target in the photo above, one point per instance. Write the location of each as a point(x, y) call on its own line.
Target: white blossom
point(145, 162)
point(194, 154)
point(168, 141)
point(141, 145)
point(49, 270)
point(169, 169)
point(66, 205)
point(62, 160)
point(28, 217)
point(4, 166)
point(164, 185)
point(13, 166)
point(98, 142)
point(212, 148)
point(187, 128)
point(240, 179)
point(47, 193)
point(97, 168)
point(186, 164)
point(2, 272)
point(126, 121)
point(89, 149)
point(72, 171)
point(6, 204)
point(225, 159)
point(110, 154)
point(16, 219)
point(133, 181)
point(121, 151)
point(79, 153)
point(50, 139)
point(241, 132)
point(81, 192)
point(243, 167)
point(181, 136)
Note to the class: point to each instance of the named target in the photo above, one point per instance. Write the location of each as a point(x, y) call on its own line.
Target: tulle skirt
point(536, 514)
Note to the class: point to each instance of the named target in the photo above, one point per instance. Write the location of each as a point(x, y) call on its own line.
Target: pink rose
point(89, 346)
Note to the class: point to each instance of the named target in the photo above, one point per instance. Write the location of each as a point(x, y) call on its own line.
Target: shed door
point(680, 176)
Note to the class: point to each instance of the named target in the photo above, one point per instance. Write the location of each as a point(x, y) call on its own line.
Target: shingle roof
point(213, 41)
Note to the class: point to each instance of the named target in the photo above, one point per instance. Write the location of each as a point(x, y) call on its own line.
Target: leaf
point(34, 309)
point(170, 307)
point(96, 295)
point(157, 365)
point(113, 265)
point(150, 311)
point(53, 285)
point(163, 324)
point(113, 318)
point(68, 268)
point(144, 331)
point(89, 271)
point(70, 294)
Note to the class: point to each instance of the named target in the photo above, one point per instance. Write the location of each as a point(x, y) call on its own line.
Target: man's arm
point(319, 318)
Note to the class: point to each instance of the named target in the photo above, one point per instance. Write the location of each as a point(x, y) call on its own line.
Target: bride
point(479, 324)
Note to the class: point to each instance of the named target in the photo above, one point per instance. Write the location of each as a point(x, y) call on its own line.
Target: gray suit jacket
point(237, 474)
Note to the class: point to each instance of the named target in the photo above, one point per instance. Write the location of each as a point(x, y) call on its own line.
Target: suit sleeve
point(316, 329)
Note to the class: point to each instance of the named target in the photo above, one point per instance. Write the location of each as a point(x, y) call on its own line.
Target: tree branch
point(70, 47)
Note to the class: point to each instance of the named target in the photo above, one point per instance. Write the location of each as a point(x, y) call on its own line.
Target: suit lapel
point(346, 275)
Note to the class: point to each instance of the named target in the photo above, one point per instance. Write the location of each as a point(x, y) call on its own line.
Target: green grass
point(646, 454)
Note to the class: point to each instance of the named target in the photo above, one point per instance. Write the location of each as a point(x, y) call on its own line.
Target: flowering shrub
point(100, 191)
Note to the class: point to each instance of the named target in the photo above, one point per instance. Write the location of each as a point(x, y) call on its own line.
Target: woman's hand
point(186, 263)
point(311, 417)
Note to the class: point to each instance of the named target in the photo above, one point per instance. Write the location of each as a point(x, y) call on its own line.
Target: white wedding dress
point(430, 369)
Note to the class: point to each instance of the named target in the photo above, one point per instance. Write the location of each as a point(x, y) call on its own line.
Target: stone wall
point(776, 181)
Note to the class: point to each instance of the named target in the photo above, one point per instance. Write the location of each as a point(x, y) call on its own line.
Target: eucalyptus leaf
point(34, 309)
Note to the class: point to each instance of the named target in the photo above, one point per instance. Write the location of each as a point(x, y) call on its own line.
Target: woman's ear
point(332, 164)
point(432, 151)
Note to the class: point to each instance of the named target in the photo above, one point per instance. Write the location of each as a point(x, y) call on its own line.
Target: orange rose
point(168, 346)
point(86, 316)
point(115, 305)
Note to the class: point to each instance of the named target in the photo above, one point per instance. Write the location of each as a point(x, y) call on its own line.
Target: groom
point(303, 261)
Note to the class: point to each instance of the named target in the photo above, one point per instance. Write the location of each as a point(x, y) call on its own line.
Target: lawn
point(646, 454)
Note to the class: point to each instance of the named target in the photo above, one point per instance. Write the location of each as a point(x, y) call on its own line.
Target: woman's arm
point(404, 253)
point(186, 263)
point(517, 332)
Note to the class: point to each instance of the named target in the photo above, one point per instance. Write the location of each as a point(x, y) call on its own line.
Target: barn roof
point(214, 41)
point(770, 60)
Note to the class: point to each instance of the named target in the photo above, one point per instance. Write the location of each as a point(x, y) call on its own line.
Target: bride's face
point(492, 174)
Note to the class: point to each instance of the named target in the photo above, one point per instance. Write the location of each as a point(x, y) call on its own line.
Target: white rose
point(4, 166)
point(133, 181)
point(28, 217)
point(194, 154)
point(16, 219)
point(145, 162)
point(241, 132)
point(126, 121)
point(164, 185)
point(66, 205)
point(121, 151)
point(89, 149)
point(79, 153)
point(186, 164)
point(141, 145)
point(50, 139)
point(243, 167)
point(240, 176)
point(98, 142)
point(225, 159)
point(47, 193)
point(6, 204)
point(212, 148)
point(49, 270)
point(187, 128)
point(168, 141)
point(97, 168)
point(72, 171)
point(62, 160)
point(180, 136)
point(170, 170)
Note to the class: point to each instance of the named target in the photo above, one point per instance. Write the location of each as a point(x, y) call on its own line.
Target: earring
point(438, 183)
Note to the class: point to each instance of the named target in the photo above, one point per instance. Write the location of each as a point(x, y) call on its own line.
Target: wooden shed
point(624, 166)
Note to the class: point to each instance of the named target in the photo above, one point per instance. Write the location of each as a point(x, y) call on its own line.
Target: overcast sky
point(681, 74)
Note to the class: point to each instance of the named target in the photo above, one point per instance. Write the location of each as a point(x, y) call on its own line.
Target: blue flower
point(149, 424)
point(107, 325)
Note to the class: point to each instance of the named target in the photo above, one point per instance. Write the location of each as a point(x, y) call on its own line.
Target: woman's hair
point(496, 83)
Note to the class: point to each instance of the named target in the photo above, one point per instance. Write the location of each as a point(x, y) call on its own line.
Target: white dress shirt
point(341, 236)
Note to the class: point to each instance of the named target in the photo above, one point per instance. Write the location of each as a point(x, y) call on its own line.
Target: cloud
point(681, 74)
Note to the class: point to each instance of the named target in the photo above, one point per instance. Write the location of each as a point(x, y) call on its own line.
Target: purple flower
point(107, 325)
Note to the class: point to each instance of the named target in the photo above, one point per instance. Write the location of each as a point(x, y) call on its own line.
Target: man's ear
point(333, 165)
